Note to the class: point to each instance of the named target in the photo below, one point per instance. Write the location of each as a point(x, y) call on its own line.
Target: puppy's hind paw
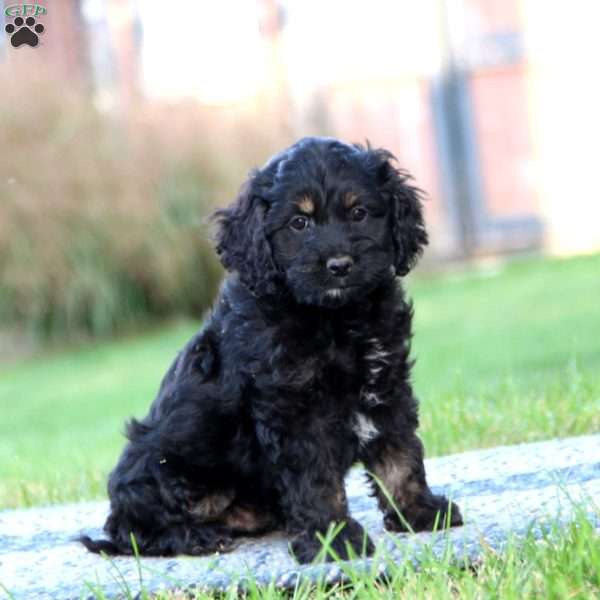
point(210, 541)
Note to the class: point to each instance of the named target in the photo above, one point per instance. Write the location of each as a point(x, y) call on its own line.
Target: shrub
point(101, 216)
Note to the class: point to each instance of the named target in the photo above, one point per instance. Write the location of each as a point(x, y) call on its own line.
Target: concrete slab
point(501, 491)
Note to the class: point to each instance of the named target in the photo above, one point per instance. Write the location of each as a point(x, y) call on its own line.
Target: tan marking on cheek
point(350, 200)
point(306, 205)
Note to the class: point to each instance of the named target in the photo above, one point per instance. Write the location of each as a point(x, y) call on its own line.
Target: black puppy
point(301, 370)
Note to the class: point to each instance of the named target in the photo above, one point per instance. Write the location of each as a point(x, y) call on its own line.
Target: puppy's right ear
point(242, 244)
point(408, 227)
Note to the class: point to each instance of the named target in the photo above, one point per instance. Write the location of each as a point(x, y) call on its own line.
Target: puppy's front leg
point(400, 486)
point(314, 502)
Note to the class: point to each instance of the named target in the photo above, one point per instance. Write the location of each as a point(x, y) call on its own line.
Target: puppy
point(301, 370)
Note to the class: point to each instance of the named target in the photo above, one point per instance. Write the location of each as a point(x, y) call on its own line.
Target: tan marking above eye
point(306, 205)
point(350, 199)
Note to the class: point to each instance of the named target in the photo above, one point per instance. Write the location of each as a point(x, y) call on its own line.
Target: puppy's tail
point(98, 546)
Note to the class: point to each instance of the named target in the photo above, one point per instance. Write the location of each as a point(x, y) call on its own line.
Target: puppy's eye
point(299, 223)
point(358, 213)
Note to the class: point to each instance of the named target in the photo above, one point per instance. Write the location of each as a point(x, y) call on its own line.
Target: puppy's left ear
point(242, 244)
point(408, 226)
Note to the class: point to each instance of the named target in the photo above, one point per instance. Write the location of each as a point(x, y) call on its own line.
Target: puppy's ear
point(242, 244)
point(408, 226)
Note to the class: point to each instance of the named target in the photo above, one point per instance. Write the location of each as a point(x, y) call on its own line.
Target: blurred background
point(131, 120)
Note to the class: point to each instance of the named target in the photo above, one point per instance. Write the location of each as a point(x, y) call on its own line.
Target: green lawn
point(504, 354)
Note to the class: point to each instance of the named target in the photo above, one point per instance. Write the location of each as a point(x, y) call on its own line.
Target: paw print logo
point(24, 32)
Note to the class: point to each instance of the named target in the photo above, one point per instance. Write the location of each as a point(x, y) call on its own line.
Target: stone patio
point(502, 491)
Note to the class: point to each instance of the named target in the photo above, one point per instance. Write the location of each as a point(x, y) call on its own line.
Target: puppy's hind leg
point(174, 538)
point(159, 526)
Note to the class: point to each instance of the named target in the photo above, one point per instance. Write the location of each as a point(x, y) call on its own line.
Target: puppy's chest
point(337, 393)
point(323, 377)
point(336, 362)
point(324, 366)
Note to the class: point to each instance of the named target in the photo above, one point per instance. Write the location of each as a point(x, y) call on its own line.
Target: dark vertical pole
point(461, 175)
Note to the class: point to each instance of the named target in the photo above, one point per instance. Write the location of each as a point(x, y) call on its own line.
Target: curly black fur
point(301, 370)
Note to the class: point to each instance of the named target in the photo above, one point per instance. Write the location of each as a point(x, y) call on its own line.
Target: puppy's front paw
point(435, 512)
point(350, 542)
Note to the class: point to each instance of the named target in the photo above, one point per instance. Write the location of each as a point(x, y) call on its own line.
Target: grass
point(508, 355)
point(505, 354)
point(62, 431)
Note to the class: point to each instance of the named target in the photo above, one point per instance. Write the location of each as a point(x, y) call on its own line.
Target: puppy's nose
point(340, 265)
